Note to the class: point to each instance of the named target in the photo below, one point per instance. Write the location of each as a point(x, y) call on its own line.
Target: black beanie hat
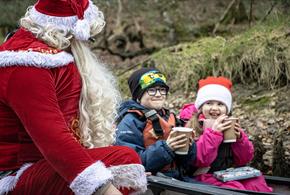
point(134, 85)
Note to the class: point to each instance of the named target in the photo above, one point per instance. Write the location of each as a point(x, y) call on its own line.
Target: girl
point(214, 102)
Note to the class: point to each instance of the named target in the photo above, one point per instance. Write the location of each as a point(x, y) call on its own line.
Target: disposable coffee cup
point(188, 133)
point(229, 135)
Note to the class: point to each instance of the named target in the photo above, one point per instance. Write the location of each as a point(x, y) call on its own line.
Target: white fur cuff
point(37, 59)
point(9, 182)
point(130, 176)
point(90, 179)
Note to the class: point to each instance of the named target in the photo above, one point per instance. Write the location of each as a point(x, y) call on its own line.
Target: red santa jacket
point(38, 105)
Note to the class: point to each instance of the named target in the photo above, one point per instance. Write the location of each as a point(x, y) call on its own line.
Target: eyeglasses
point(153, 91)
point(151, 77)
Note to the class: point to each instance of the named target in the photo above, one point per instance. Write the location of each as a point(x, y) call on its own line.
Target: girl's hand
point(238, 130)
point(175, 142)
point(208, 123)
point(220, 124)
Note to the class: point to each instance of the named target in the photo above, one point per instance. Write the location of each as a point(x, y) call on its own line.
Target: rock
point(281, 154)
point(271, 121)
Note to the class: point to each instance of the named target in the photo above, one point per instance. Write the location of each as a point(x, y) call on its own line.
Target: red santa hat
point(69, 15)
point(214, 88)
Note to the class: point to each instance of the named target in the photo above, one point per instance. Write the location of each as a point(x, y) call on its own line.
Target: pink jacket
point(187, 111)
point(208, 144)
point(243, 152)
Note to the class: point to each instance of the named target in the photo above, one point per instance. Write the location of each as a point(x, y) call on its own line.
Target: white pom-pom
point(81, 30)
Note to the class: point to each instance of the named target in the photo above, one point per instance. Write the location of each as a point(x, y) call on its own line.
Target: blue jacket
point(156, 156)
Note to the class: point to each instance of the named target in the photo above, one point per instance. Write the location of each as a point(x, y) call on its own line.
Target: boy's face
point(213, 109)
point(154, 98)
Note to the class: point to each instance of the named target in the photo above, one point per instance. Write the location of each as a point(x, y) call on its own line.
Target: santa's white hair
point(99, 95)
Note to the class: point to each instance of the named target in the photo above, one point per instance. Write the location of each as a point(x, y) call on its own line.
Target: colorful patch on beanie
point(150, 78)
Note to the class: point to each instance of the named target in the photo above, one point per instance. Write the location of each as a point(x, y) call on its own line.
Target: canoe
point(281, 186)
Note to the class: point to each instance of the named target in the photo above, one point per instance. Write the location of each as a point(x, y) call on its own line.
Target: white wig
point(99, 96)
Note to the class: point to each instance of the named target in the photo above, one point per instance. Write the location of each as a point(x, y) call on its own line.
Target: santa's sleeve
point(31, 94)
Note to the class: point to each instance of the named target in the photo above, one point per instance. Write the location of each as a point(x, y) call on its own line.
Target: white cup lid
point(183, 129)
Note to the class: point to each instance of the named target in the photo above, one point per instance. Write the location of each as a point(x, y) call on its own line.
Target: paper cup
point(188, 133)
point(229, 135)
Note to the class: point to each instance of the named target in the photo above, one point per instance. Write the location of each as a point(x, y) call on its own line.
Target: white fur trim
point(9, 182)
point(214, 92)
point(82, 30)
point(130, 176)
point(90, 179)
point(91, 15)
point(32, 58)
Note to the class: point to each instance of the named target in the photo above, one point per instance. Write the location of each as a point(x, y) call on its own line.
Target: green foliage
point(260, 55)
point(185, 63)
point(12, 10)
point(256, 103)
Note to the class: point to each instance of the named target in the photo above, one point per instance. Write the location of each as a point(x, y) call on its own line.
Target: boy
point(145, 125)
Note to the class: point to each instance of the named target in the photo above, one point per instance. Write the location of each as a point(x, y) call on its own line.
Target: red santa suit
point(39, 96)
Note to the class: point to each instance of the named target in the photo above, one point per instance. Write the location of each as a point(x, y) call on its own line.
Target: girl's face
point(213, 109)
point(154, 98)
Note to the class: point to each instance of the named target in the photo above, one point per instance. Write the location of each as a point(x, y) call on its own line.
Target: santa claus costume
point(57, 104)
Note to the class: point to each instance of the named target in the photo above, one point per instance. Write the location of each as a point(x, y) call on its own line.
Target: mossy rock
point(258, 161)
point(260, 55)
point(256, 103)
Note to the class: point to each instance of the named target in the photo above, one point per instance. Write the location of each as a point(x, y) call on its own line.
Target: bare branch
point(119, 14)
point(251, 13)
point(269, 11)
point(230, 6)
point(128, 54)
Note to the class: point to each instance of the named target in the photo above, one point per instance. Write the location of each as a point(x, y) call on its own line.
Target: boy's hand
point(190, 140)
point(175, 142)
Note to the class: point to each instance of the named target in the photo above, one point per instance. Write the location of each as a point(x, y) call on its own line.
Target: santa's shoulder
point(23, 49)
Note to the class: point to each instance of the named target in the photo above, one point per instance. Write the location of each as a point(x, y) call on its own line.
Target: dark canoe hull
point(281, 185)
